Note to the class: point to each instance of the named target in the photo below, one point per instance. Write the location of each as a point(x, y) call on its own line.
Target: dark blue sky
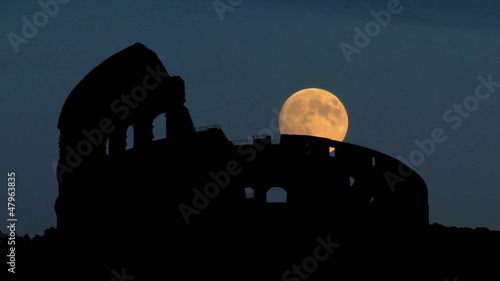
point(238, 70)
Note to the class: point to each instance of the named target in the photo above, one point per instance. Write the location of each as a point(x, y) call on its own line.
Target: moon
point(314, 112)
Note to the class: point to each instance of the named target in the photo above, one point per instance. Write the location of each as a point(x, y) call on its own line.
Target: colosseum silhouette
point(197, 205)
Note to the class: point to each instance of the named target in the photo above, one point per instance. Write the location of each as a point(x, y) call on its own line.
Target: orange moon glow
point(314, 112)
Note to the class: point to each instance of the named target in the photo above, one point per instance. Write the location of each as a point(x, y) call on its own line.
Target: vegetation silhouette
point(194, 205)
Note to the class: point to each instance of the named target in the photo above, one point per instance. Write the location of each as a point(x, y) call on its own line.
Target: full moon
point(314, 112)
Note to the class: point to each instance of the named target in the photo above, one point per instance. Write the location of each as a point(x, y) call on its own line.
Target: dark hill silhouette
point(194, 205)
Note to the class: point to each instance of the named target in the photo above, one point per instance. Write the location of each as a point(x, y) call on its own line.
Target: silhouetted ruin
point(198, 206)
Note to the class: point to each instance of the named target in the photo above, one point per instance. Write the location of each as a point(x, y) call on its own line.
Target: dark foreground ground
point(438, 253)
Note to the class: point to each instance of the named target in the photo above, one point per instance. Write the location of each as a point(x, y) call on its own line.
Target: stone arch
point(160, 126)
point(129, 137)
point(249, 192)
point(276, 194)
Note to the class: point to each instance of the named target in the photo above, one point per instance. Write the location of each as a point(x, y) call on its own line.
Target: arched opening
point(249, 193)
point(276, 195)
point(107, 146)
point(351, 181)
point(160, 127)
point(130, 137)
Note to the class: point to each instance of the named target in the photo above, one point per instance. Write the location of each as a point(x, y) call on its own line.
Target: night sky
point(432, 67)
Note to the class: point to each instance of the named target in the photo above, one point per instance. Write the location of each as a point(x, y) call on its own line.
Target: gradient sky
point(240, 69)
